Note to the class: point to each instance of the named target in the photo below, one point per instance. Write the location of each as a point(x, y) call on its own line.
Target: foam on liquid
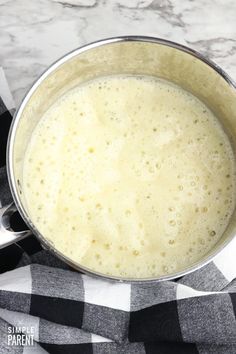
point(130, 176)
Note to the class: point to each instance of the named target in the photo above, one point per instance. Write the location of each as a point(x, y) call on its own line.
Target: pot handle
point(7, 235)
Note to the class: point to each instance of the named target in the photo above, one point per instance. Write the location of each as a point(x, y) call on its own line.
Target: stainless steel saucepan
point(123, 55)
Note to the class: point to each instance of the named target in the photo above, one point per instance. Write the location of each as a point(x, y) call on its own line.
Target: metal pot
point(123, 55)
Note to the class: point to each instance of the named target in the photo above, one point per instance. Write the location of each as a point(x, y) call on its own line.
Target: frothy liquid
point(130, 176)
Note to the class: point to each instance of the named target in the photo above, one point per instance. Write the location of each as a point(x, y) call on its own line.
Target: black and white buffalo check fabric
point(72, 313)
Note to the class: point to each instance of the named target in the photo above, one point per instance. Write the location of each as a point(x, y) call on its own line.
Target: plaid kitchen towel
point(47, 307)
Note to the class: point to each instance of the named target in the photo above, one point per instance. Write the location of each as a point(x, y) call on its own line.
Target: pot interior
point(137, 56)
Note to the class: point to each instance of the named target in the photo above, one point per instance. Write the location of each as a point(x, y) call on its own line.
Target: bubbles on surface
point(132, 188)
point(171, 242)
point(136, 253)
point(172, 222)
point(204, 209)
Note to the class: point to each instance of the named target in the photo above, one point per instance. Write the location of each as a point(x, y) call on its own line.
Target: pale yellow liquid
point(130, 176)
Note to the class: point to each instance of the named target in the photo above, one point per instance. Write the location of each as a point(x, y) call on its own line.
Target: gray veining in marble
point(34, 33)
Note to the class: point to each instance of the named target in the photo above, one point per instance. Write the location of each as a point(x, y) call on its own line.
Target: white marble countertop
point(34, 33)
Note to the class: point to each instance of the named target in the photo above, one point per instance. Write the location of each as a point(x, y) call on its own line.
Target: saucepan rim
point(10, 153)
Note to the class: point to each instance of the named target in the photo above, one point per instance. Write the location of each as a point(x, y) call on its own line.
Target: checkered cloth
point(75, 313)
